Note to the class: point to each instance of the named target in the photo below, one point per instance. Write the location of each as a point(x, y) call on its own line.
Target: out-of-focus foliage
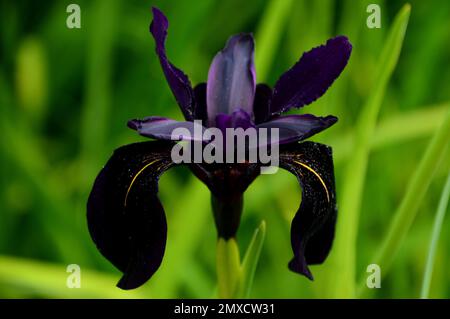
point(66, 94)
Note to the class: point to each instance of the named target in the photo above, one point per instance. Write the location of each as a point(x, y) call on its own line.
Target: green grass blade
point(49, 280)
point(354, 178)
point(268, 35)
point(442, 208)
point(409, 205)
point(406, 126)
point(250, 261)
point(400, 128)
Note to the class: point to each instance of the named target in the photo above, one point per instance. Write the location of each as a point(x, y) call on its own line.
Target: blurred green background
point(66, 95)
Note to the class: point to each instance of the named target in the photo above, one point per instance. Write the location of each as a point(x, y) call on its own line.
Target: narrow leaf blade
point(438, 221)
point(344, 253)
point(415, 192)
point(251, 261)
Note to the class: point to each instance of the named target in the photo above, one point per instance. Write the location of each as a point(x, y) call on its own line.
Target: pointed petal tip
point(158, 14)
point(331, 119)
point(156, 9)
point(239, 40)
point(124, 284)
point(134, 124)
point(344, 43)
point(128, 283)
point(325, 120)
point(159, 22)
point(162, 128)
point(342, 39)
point(247, 37)
point(301, 268)
point(239, 37)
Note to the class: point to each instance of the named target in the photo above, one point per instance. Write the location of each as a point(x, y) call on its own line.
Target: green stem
point(228, 267)
point(442, 208)
point(235, 279)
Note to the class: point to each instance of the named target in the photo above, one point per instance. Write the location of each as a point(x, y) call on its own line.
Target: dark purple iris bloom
point(126, 219)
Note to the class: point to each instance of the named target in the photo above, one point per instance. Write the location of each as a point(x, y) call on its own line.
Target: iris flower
point(125, 217)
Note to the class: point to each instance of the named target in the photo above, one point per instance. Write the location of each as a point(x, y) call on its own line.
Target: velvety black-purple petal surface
point(125, 217)
point(312, 229)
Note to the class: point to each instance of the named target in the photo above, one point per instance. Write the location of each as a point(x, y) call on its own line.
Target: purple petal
point(178, 81)
point(162, 128)
point(293, 128)
point(238, 118)
point(311, 76)
point(200, 103)
point(261, 105)
point(231, 78)
point(223, 121)
point(241, 118)
point(125, 217)
point(312, 229)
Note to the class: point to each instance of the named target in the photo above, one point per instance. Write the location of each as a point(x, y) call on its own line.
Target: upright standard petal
point(162, 128)
point(311, 76)
point(178, 81)
point(125, 217)
point(293, 128)
point(312, 229)
point(231, 78)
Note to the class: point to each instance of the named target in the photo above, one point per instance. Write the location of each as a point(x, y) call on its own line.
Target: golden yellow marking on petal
point(318, 176)
point(134, 179)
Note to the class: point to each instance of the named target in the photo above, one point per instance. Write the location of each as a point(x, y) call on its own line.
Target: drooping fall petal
point(312, 229)
point(125, 217)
